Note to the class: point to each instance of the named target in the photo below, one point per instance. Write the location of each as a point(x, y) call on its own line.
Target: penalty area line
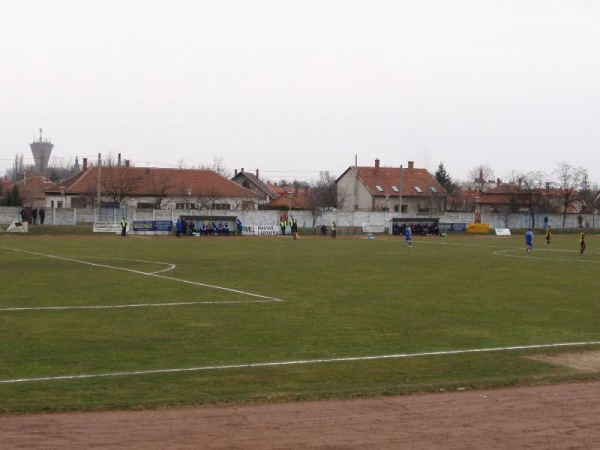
point(135, 305)
point(298, 362)
point(150, 274)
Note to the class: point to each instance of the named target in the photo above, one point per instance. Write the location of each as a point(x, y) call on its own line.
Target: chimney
point(84, 164)
point(256, 173)
point(520, 181)
point(411, 164)
point(242, 170)
point(119, 160)
point(376, 166)
point(126, 163)
point(498, 181)
point(235, 173)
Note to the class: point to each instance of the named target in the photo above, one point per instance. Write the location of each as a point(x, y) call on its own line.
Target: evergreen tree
point(15, 197)
point(443, 178)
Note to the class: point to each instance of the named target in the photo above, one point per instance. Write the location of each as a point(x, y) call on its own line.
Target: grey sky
point(297, 87)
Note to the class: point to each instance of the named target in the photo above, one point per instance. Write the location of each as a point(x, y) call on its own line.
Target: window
point(434, 190)
point(145, 205)
point(418, 189)
point(395, 188)
point(379, 188)
point(185, 206)
point(221, 206)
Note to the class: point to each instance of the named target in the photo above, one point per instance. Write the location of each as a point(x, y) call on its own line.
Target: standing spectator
point(238, 226)
point(123, 226)
point(34, 215)
point(548, 235)
point(178, 227)
point(293, 226)
point(408, 236)
point(580, 220)
point(529, 241)
point(23, 214)
point(282, 226)
point(42, 215)
point(581, 243)
point(333, 231)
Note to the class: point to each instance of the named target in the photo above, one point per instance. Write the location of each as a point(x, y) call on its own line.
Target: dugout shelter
point(193, 224)
point(419, 225)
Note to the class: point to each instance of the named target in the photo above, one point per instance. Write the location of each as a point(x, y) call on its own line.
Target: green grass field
point(104, 322)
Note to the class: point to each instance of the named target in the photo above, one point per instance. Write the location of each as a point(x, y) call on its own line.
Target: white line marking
point(535, 256)
point(151, 274)
point(135, 305)
point(298, 362)
point(160, 263)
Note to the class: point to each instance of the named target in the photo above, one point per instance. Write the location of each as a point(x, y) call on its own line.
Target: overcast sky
point(293, 88)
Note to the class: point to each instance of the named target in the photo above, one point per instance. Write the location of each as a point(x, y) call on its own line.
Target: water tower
point(41, 153)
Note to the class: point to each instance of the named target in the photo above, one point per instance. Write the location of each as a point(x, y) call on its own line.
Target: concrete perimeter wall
point(351, 220)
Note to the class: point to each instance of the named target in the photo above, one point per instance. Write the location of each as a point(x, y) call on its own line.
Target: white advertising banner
point(373, 228)
point(107, 227)
point(261, 230)
point(18, 227)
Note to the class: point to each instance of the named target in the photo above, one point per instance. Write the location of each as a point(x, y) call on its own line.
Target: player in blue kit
point(529, 241)
point(408, 236)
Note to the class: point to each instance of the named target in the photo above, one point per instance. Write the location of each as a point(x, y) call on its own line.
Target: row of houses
point(408, 190)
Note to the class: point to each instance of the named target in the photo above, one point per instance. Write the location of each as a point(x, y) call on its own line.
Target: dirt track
point(548, 417)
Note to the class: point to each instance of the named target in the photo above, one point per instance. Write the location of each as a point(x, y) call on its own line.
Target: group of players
point(529, 240)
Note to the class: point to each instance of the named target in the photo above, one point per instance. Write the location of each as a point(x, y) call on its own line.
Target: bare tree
point(59, 170)
point(119, 183)
point(569, 179)
point(160, 187)
point(18, 169)
point(481, 176)
point(586, 192)
point(217, 166)
point(532, 191)
point(206, 199)
point(323, 194)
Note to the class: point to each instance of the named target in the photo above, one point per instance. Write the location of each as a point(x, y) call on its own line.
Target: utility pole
point(99, 184)
point(400, 192)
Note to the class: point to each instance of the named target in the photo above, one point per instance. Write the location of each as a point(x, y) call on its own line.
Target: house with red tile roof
point(291, 196)
point(379, 188)
point(151, 188)
point(31, 189)
point(513, 197)
point(251, 181)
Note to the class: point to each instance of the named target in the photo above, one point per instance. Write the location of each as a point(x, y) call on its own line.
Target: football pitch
point(104, 322)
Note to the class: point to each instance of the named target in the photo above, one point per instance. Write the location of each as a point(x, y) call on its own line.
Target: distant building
point(252, 181)
point(32, 190)
point(291, 196)
point(150, 188)
point(41, 154)
point(377, 188)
